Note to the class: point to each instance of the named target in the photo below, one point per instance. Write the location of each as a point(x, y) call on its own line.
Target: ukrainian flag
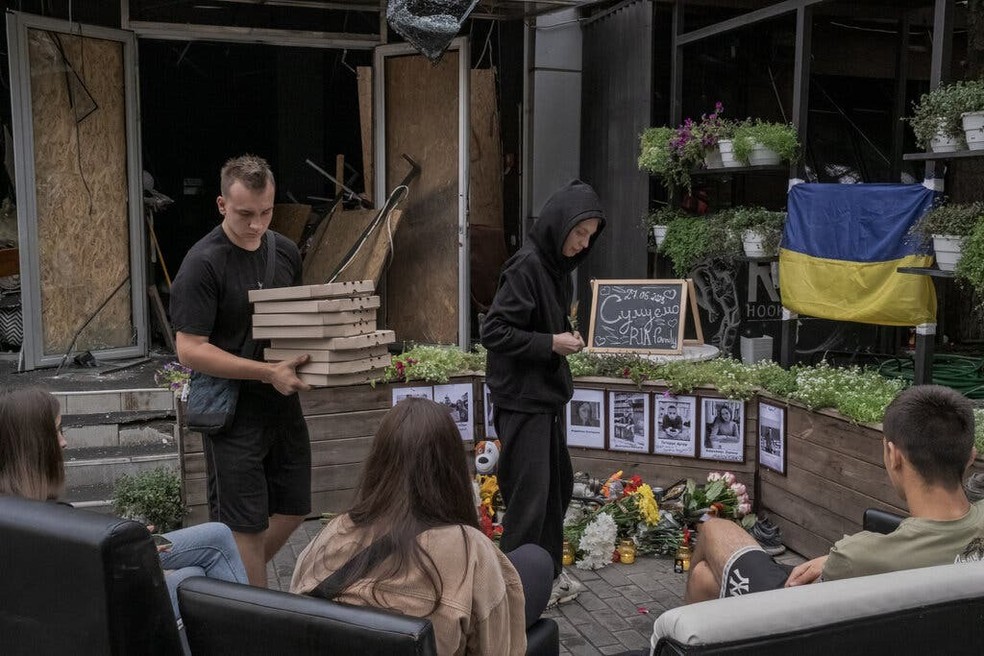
point(842, 247)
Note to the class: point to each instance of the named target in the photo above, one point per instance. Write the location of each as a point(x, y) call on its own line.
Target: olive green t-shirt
point(915, 543)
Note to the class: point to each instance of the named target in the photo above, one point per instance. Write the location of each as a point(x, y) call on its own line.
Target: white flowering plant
point(597, 542)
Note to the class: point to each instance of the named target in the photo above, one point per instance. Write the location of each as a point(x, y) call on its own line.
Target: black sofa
point(73, 581)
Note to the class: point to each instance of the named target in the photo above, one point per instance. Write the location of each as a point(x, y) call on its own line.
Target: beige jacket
point(481, 608)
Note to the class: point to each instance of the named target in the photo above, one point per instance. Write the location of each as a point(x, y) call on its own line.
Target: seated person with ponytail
point(32, 466)
point(411, 543)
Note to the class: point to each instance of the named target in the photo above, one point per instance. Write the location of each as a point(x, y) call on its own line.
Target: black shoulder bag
point(212, 400)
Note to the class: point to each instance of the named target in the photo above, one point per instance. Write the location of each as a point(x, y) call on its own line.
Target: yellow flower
point(488, 486)
point(647, 504)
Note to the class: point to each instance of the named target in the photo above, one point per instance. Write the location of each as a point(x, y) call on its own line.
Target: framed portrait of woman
point(722, 429)
point(585, 427)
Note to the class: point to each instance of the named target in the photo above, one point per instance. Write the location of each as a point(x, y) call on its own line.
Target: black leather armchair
point(880, 521)
point(226, 618)
point(77, 582)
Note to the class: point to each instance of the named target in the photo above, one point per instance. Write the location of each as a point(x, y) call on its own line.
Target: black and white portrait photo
point(676, 421)
point(723, 430)
point(772, 437)
point(400, 393)
point(489, 424)
point(457, 399)
point(584, 425)
point(628, 421)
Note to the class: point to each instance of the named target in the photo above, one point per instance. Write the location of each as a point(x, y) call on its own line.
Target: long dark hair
point(31, 461)
point(415, 478)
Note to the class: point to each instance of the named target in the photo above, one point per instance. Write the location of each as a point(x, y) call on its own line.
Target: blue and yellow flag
point(842, 247)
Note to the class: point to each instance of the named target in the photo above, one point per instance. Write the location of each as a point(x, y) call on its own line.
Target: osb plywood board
point(344, 231)
point(81, 182)
point(485, 153)
point(364, 74)
point(289, 220)
point(422, 121)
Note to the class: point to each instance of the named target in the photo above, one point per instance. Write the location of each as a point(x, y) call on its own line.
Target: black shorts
point(261, 466)
point(752, 570)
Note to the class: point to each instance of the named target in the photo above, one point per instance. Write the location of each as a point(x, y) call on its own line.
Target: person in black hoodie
point(528, 335)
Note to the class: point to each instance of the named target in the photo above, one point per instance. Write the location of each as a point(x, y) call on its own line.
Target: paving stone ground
point(614, 614)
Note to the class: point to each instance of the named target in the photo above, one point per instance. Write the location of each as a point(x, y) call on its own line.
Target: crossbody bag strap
point(331, 586)
point(249, 346)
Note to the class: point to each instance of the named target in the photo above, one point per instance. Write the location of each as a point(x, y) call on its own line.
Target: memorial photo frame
point(722, 434)
point(628, 421)
point(675, 425)
point(586, 419)
point(772, 437)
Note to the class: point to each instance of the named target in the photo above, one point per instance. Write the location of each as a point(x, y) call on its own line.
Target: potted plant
point(657, 222)
point(937, 118)
point(152, 497)
point(691, 239)
point(760, 143)
point(972, 118)
point(759, 229)
point(948, 225)
point(711, 130)
point(658, 158)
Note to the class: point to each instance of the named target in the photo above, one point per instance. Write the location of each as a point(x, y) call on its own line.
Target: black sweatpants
point(536, 480)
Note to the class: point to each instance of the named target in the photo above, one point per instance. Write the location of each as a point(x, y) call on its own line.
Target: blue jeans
point(202, 550)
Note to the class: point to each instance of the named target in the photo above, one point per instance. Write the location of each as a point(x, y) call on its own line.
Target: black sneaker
point(768, 535)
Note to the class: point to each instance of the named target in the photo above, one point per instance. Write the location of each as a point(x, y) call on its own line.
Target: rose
point(713, 476)
point(738, 488)
point(744, 508)
point(729, 478)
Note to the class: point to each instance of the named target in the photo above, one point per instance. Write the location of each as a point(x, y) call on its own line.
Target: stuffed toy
point(487, 456)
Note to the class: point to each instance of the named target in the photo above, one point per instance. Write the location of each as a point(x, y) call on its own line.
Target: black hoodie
point(532, 304)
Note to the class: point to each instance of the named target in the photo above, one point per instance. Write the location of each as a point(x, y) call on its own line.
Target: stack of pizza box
point(334, 323)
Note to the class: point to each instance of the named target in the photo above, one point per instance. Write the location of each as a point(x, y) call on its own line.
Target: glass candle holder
point(627, 551)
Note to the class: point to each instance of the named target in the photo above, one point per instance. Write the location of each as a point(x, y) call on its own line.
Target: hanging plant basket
point(945, 142)
point(752, 242)
point(948, 249)
point(762, 156)
point(712, 158)
point(659, 234)
point(973, 125)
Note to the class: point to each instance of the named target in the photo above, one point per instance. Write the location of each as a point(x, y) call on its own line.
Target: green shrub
point(151, 497)
point(970, 266)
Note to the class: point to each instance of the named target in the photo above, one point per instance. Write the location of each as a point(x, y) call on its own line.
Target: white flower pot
point(752, 242)
point(945, 143)
point(712, 158)
point(947, 249)
point(973, 125)
point(659, 234)
point(762, 156)
point(728, 154)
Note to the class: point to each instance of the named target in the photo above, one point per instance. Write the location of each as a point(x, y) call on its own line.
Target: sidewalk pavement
point(614, 613)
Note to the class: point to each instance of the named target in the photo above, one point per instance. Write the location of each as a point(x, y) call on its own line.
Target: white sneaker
point(565, 588)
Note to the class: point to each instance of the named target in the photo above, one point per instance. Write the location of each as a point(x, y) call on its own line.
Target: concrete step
point(118, 417)
point(90, 466)
point(97, 498)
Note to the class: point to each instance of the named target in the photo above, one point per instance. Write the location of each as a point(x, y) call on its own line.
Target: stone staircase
point(111, 433)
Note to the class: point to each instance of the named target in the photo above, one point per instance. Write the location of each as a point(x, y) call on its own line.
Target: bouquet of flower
point(722, 496)
point(630, 507)
point(174, 376)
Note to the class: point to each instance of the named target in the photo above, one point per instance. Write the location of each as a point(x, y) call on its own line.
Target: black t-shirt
point(209, 296)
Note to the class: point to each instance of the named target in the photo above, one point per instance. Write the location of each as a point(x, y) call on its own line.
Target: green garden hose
point(962, 373)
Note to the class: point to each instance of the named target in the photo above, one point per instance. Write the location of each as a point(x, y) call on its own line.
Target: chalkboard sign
point(639, 316)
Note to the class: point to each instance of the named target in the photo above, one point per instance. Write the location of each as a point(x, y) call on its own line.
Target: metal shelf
point(926, 271)
point(769, 170)
point(927, 157)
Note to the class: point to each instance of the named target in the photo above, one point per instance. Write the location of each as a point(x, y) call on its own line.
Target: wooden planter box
point(341, 423)
point(834, 472)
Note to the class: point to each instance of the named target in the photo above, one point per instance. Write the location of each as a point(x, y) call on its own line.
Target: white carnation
point(598, 542)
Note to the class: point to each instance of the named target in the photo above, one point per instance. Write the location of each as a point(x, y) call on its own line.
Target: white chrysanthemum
point(598, 542)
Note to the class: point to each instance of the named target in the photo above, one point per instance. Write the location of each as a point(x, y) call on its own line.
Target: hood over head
point(574, 202)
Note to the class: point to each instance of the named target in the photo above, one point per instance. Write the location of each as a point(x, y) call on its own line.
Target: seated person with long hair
point(411, 543)
point(32, 466)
